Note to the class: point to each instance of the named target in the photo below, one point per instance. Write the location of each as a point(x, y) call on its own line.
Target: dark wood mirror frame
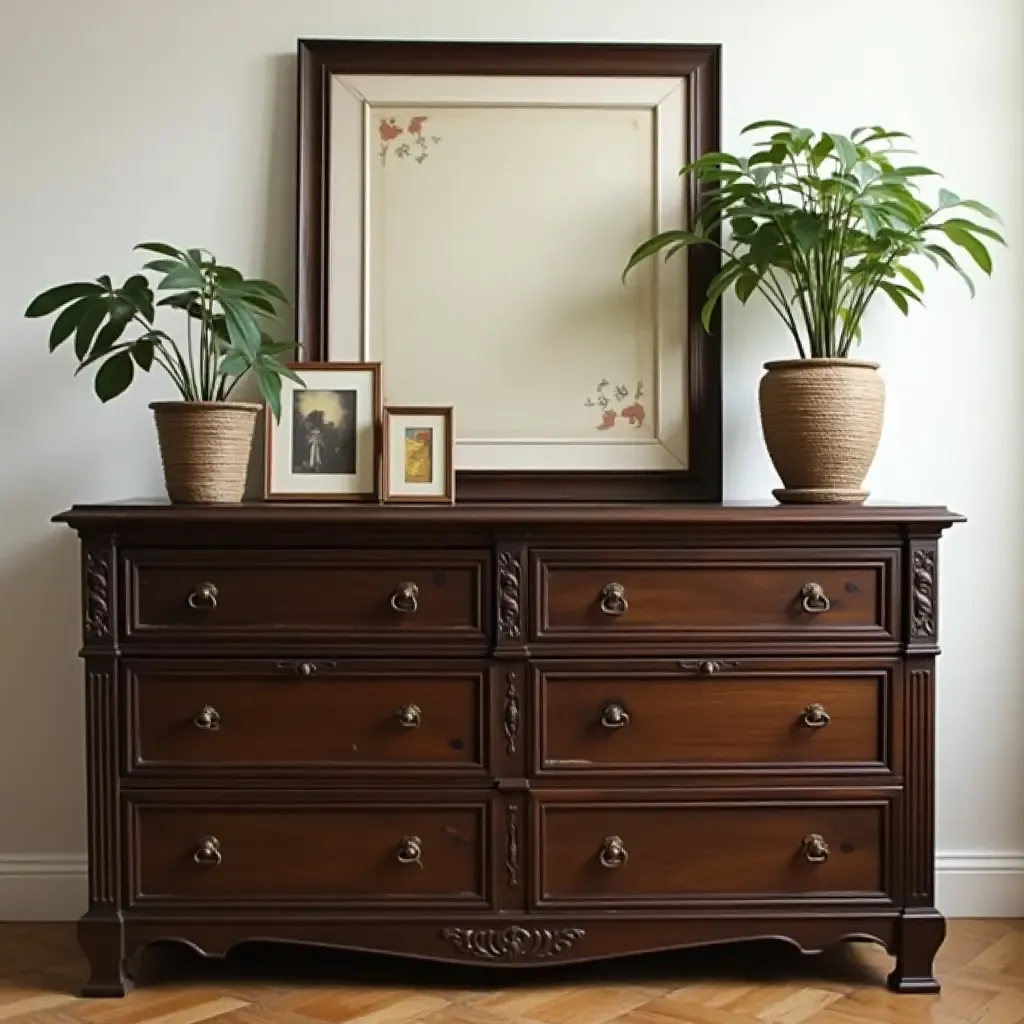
point(698, 65)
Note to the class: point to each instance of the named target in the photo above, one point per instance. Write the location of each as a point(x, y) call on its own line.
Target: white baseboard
point(43, 887)
point(53, 887)
point(980, 884)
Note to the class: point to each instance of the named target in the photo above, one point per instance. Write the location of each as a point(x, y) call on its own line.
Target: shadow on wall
point(279, 228)
point(42, 785)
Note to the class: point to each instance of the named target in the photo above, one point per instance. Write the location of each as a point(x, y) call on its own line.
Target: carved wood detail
point(922, 594)
point(512, 943)
point(919, 752)
point(512, 845)
point(510, 578)
point(101, 741)
point(512, 714)
point(96, 625)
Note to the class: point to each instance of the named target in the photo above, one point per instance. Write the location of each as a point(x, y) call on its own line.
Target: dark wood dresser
point(514, 735)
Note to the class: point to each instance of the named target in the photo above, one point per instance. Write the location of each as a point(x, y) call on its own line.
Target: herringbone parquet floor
point(981, 967)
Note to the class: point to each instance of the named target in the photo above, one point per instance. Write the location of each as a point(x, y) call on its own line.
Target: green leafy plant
point(819, 225)
point(224, 336)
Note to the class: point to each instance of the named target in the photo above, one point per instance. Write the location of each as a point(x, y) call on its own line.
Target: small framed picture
point(325, 446)
point(419, 444)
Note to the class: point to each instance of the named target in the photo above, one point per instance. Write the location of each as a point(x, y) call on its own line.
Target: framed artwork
point(466, 211)
point(325, 445)
point(418, 453)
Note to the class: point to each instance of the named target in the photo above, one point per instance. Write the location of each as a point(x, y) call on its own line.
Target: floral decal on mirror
point(633, 414)
point(415, 144)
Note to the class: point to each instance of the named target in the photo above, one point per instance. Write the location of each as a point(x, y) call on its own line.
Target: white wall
point(128, 120)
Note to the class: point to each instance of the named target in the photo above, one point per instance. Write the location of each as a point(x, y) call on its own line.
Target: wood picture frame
point(362, 101)
point(334, 460)
point(439, 456)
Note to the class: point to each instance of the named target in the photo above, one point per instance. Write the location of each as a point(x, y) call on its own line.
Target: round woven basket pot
point(822, 421)
point(205, 449)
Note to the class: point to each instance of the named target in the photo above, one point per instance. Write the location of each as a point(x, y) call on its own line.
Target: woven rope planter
point(822, 421)
point(205, 448)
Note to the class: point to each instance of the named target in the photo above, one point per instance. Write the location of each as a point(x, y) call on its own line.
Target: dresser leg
point(102, 942)
point(921, 934)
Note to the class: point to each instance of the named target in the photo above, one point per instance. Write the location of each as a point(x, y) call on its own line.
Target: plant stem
point(197, 384)
point(180, 373)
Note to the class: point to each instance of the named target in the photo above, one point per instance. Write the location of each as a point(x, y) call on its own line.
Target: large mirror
point(465, 214)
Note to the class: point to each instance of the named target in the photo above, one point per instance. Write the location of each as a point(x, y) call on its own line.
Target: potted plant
point(205, 438)
point(820, 225)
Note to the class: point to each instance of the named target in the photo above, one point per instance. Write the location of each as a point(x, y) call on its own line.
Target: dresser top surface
point(140, 511)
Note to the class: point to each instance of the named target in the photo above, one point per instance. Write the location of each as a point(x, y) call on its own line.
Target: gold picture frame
point(419, 454)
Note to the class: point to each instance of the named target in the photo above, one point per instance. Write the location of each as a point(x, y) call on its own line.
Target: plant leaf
point(970, 226)
point(89, 325)
point(987, 211)
point(227, 275)
point(143, 352)
point(916, 171)
point(950, 260)
point(806, 230)
point(947, 198)
point(276, 366)
point(755, 125)
point(746, 285)
point(270, 388)
point(967, 241)
point(910, 276)
point(163, 266)
point(243, 331)
point(234, 364)
point(53, 298)
point(845, 150)
point(269, 288)
point(67, 322)
point(136, 291)
point(183, 300)
point(182, 277)
point(110, 334)
point(114, 376)
point(719, 284)
point(163, 249)
point(657, 243)
point(273, 348)
point(821, 149)
point(897, 296)
point(256, 300)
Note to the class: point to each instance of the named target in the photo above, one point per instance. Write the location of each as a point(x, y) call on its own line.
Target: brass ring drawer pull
point(814, 599)
point(203, 598)
point(614, 716)
point(405, 597)
point(613, 853)
point(410, 851)
point(613, 599)
point(815, 717)
point(410, 716)
point(208, 854)
point(815, 848)
point(207, 719)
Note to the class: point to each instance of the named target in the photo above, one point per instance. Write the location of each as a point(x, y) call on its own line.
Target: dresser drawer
point(371, 595)
point(666, 716)
point(630, 851)
point(757, 595)
point(225, 849)
point(349, 717)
